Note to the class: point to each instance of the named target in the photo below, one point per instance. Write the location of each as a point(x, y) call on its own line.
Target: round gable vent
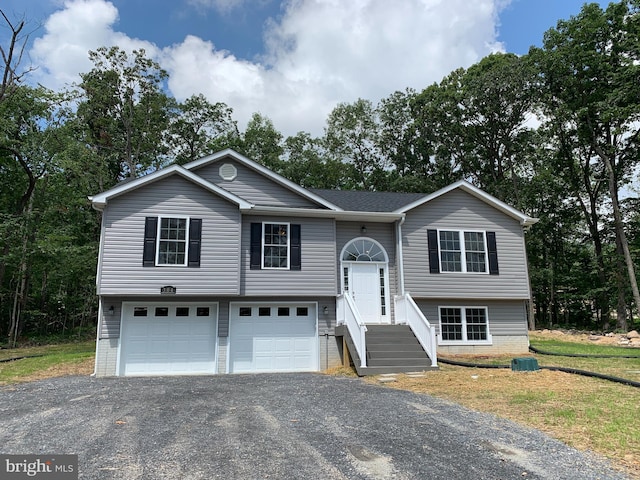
point(228, 172)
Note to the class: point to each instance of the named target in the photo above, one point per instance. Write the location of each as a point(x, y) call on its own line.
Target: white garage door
point(168, 339)
point(273, 338)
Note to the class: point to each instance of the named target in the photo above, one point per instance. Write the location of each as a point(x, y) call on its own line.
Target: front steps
point(389, 349)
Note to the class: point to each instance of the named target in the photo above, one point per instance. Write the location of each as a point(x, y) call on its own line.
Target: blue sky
point(293, 60)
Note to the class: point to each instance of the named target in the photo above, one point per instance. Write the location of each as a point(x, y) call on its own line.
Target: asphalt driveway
point(296, 426)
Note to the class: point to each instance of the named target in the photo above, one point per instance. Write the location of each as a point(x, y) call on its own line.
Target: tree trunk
point(621, 308)
point(620, 234)
point(20, 291)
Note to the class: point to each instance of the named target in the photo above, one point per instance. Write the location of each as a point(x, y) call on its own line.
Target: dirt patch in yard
point(630, 339)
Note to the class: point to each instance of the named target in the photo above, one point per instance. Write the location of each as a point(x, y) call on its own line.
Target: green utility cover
point(524, 364)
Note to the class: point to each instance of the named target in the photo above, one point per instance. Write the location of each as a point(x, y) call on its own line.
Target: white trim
point(264, 171)
point(463, 314)
point(369, 239)
point(400, 256)
point(262, 246)
point(525, 220)
point(98, 327)
point(100, 254)
point(100, 201)
point(463, 256)
point(380, 217)
point(186, 242)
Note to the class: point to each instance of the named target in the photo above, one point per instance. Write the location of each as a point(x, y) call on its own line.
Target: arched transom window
point(364, 250)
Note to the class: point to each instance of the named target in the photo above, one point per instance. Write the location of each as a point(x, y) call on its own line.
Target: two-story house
point(223, 266)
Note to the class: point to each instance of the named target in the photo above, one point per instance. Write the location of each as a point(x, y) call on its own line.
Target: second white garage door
point(273, 338)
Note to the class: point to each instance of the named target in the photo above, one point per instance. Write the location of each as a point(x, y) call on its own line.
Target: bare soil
point(609, 339)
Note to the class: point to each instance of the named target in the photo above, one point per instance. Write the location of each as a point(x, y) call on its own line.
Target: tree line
point(554, 133)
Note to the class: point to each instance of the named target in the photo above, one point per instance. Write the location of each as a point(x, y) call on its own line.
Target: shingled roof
point(366, 201)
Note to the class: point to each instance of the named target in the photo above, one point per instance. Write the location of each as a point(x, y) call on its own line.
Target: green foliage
point(199, 128)
point(262, 142)
point(535, 131)
point(125, 111)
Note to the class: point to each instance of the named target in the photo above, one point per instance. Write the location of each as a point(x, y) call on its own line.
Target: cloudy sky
point(291, 60)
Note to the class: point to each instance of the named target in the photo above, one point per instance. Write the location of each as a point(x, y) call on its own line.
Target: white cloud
point(82, 25)
point(319, 53)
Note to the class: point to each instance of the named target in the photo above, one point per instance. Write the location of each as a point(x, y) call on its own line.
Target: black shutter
point(493, 253)
point(195, 237)
point(434, 256)
point(256, 246)
point(295, 262)
point(149, 250)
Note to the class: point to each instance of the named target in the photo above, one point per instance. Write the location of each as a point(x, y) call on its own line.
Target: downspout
point(400, 258)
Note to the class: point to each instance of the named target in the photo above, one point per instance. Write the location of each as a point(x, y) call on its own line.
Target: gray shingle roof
point(365, 201)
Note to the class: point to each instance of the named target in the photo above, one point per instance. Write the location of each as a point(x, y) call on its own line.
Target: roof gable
point(524, 219)
point(279, 179)
point(100, 201)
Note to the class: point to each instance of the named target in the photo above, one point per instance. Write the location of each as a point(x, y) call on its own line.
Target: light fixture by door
point(363, 230)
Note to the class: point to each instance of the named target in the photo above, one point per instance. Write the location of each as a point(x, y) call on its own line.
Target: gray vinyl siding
point(458, 210)
point(317, 276)
point(110, 324)
point(121, 270)
point(506, 318)
point(253, 186)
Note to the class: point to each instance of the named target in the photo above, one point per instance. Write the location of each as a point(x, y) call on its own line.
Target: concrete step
point(398, 362)
point(380, 370)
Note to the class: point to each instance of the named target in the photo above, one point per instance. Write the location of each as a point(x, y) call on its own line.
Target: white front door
point(366, 291)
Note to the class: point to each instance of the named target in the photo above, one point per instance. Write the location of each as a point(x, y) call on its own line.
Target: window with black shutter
point(275, 246)
point(462, 251)
point(172, 241)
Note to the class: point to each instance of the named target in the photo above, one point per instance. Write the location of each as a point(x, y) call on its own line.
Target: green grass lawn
point(628, 368)
point(46, 360)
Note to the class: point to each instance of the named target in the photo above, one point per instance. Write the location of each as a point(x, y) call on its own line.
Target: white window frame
point(463, 252)
point(186, 241)
point(463, 315)
point(262, 246)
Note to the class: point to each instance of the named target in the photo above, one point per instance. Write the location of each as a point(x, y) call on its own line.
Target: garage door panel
point(273, 343)
point(168, 344)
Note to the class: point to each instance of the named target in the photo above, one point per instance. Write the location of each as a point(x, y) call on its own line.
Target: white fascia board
point(525, 220)
point(380, 217)
point(100, 201)
point(264, 171)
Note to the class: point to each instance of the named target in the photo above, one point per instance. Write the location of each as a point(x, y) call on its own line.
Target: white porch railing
point(408, 313)
point(348, 315)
